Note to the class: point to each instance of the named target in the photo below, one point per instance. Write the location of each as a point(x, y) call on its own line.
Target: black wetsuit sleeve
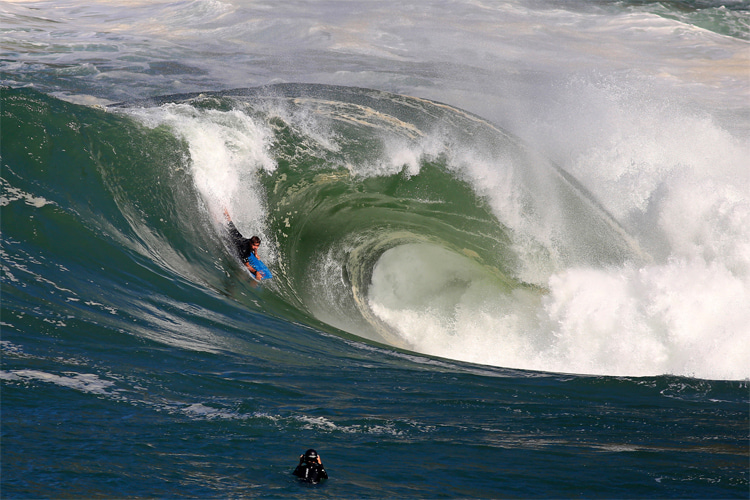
point(234, 234)
point(241, 244)
point(299, 471)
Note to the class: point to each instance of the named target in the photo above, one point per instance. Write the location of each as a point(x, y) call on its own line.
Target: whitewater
point(661, 144)
point(496, 227)
point(675, 304)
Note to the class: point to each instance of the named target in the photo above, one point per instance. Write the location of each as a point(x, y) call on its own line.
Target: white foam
point(9, 194)
point(686, 318)
point(680, 183)
point(200, 410)
point(228, 150)
point(375, 427)
point(84, 382)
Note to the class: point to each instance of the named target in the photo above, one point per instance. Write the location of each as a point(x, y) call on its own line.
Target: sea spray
point(553, 281)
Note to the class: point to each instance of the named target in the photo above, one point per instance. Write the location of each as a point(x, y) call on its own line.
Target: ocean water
point(510, 240)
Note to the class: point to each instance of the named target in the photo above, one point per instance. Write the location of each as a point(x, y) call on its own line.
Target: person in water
point(245, 246)
point(310, 468)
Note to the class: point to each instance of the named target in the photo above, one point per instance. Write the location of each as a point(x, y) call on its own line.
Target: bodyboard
point(256, 264)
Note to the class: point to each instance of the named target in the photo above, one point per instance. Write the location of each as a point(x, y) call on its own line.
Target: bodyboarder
point(247, 249)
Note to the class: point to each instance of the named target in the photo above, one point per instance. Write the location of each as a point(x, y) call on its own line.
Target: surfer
point(310, 468)
point(247, 248)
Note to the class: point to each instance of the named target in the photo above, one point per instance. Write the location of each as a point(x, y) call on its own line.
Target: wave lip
point(417, 224)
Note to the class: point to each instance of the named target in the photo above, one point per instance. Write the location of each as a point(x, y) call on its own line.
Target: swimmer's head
point(311, 456)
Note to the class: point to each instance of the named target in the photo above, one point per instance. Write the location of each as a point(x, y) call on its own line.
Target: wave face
point(415, 224)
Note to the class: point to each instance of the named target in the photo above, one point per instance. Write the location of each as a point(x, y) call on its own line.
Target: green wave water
point(347, 176)
point(394, 219)
point(139, 360)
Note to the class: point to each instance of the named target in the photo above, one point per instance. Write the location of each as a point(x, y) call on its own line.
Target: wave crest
point(417, 224)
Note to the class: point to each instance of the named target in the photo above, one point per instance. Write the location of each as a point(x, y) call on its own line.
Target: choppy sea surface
point(510, 240)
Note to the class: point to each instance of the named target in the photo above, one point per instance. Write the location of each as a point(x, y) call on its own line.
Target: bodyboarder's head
point(248, 246)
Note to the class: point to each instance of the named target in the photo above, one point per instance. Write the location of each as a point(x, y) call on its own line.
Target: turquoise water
point(478, 292)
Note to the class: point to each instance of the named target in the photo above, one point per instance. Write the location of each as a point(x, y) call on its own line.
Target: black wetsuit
point(241, 244)
point(310, 472)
